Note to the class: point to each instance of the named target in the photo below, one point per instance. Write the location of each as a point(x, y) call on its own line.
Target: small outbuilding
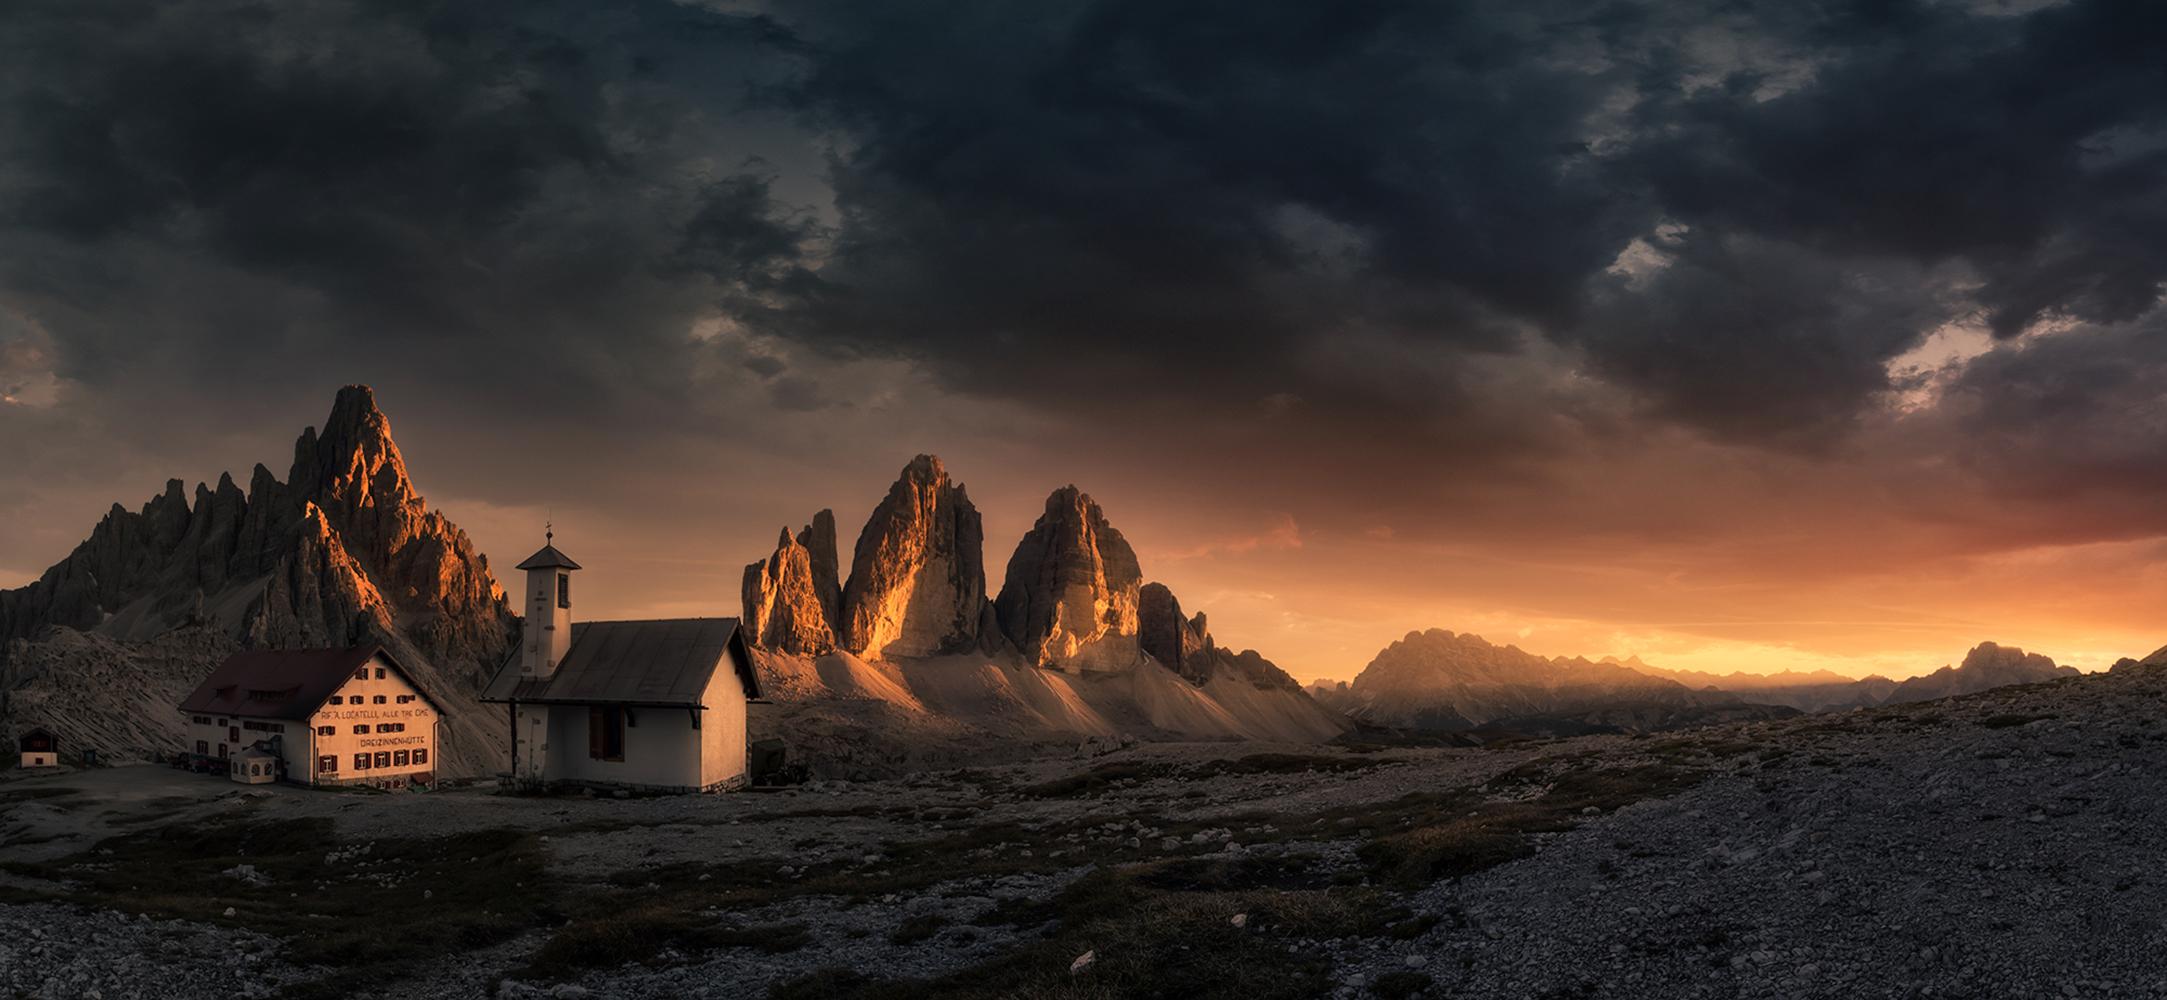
point(255, 766)
point(655, 705)
point(39, 748)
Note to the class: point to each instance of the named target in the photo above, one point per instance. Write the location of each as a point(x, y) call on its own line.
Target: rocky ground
point(2002, 844)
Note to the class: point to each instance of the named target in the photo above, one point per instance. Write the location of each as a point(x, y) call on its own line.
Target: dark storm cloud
point(516, 193)
point(1756, 340)
point(2068, 416)
point(1160, 192)
point(1045, 200)
point(1341, 214)
point(2033, 148)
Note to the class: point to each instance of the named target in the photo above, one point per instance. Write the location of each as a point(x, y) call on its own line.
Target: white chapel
point(656, 705)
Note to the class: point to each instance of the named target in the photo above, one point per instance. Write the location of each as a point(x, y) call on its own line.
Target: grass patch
point(1097, 779)
point(1458, 835)
point(1165, 927)
point(1146, 943)
point(380, 912)
point(645, 932)
point(52, 795)
point(1107, 775)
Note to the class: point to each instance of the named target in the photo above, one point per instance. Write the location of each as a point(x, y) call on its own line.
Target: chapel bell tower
point(548, 603)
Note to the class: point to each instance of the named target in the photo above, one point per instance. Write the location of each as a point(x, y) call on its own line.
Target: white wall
point(661, 749)
point(723, 729)
point(531, 746)
point(546, 633)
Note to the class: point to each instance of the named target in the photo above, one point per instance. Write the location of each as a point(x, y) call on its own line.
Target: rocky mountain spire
point(784, 610)
point(354, 474)
point(1183, 645)
point(917, 582)
point(1071, 588)
point(818, 538)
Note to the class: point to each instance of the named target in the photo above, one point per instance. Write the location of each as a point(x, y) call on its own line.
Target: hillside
point(345, 550)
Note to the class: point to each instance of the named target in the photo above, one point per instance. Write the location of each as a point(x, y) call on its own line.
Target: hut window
point(421, 756)
point(362, 674)
point(361, 762)
point(336, 700)
point(379, 699)
point(379, 673)
point(327, 730)
point(203, 747)
point(606, 733)
point(361, 729)
point(564, 590)
point(326, 765)
point(398, 758)
point(383, 758)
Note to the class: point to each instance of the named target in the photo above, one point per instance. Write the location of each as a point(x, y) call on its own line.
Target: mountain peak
point(917, 583)
point(924, 469)
point(1071, 587)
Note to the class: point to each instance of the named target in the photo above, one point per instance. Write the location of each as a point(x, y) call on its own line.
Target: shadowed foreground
point(2001, 844)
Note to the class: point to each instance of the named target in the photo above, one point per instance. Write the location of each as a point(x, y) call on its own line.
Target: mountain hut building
point(314, 717)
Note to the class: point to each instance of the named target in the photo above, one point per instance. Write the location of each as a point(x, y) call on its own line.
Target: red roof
point(284, 683)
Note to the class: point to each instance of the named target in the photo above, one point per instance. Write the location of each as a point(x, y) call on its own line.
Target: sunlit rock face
point(422, 562)
point(917, 582)
point(1069, 597)
point(345, 552)
point(783, 606)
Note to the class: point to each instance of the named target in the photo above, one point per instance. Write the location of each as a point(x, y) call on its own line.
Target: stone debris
point(52, 952)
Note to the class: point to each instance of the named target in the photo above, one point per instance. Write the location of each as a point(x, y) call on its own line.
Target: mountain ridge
point(344, 551)
point(1438, 680)
point(1076, 641)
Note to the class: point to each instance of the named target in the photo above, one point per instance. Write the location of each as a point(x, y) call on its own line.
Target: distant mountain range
point(1442, 682)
